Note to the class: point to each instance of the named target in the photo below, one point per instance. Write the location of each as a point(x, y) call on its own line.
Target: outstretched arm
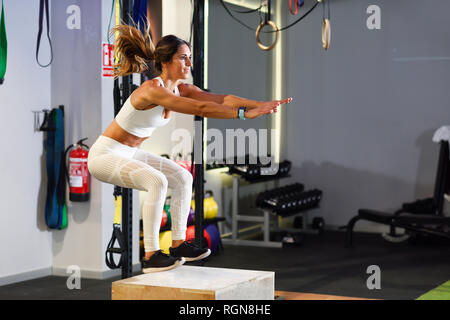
point(148, 95)
point(193, 92)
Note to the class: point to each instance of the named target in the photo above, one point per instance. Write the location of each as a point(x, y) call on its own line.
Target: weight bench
point(422, 216)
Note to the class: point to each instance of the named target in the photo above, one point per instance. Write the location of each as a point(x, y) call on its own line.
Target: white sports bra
point(142, 123)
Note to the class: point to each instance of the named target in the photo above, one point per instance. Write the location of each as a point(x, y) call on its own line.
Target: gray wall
point(364, 111)
point(236, 65)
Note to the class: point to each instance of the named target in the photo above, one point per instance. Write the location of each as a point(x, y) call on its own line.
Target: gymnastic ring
point(258, 30)
point(326, 34)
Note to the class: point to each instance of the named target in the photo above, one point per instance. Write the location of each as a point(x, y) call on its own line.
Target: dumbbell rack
point(265, 219)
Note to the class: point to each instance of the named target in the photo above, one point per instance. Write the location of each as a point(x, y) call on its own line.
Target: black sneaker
point(189, 252)
point(160, 261)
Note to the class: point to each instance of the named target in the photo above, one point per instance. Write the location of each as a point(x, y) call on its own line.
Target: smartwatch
point(241, 113)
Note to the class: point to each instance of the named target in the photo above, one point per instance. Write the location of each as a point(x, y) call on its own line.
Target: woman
point(116, 158)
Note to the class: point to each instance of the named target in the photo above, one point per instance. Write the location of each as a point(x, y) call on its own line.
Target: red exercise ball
point(190, 234)
point(163, 219)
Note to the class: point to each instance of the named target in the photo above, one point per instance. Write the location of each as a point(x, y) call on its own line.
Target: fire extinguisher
point(78, 173)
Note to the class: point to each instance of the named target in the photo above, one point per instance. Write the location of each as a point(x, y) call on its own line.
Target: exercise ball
point(210, 205)
point(191, 216)
point(165, 241)
point(190, 235)
point(163, 219)
point(186, 164)
point(169, 219)
point(214, 237)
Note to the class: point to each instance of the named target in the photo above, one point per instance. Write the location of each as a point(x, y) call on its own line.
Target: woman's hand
point(265, 107)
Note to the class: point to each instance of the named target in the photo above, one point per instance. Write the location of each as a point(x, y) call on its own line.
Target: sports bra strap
point(176, 91)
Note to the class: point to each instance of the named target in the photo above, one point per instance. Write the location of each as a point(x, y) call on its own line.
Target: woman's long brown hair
point(136, 53)
point(133, 49)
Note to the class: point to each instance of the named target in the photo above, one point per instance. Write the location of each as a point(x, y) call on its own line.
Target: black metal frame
point(127, 194)
point(198, 74)
point(127, 88)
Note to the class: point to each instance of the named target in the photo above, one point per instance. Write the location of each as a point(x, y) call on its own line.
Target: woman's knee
point(157, 182)
point(182, 178)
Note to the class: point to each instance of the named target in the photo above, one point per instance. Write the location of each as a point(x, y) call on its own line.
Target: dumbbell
point(284, 167)
point(279, 193)
point(286, 191)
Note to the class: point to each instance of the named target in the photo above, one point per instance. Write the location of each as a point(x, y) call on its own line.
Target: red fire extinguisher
point(78, 173)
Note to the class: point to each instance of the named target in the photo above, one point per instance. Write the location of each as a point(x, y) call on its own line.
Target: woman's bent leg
point(130, 173)
point(180, 181)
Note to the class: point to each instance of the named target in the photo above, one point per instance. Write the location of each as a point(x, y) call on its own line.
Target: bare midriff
point(114, 131)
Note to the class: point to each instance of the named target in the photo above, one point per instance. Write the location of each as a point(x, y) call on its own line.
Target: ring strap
point(326, 25)
point(326, 34)
point(258, 31)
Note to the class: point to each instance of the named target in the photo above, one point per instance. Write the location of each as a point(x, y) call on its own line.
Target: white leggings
point(112, 162)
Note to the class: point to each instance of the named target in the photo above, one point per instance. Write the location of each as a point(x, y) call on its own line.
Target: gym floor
point(320, 264)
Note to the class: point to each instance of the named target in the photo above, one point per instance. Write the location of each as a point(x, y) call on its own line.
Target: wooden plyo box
point(197, 283)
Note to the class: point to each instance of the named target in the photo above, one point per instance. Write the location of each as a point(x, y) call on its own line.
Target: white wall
point(76, 74)
point(37, 251)
point(26, 243)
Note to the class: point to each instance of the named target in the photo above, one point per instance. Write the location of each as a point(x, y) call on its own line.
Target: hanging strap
point(267, 21)
point(55, 206)
point(117, 234)
point(61, 176)
point(51, 214)
point(296, 7)
point(43, 5)
point(3, 46)
point(118, 209)
point(111, 249)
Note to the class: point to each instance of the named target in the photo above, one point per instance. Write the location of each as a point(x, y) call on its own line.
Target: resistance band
point(3, 46)
point(43, 5)
point(296, 7)
point(298, 3)
point(55, 205)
